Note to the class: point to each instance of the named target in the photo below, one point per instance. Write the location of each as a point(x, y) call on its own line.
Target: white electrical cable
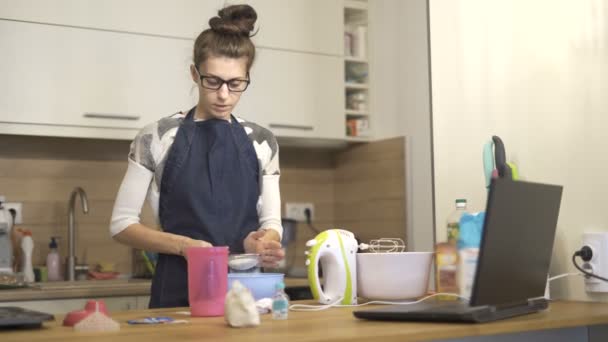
point(306, 307)
point(565, 275)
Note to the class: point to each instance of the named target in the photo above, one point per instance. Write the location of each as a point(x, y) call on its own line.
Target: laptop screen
point(517, 242)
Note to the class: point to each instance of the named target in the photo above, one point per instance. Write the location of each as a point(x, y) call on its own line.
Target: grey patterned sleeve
point(272, 167)
point(141, 147)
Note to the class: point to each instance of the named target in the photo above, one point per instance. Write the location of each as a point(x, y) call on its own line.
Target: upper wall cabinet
point(299, 25)
point(55, 75)
point(295, 94)
point(176, 18)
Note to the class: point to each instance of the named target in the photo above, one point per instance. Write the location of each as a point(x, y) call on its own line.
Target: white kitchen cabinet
point(295, 94)
point(299, 25)
point(63, 306)
point(78, 78)
point(176, 18)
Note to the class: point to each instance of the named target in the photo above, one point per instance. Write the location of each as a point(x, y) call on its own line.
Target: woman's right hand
point(187, 242)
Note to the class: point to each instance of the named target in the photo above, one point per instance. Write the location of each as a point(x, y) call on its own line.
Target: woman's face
point(219, 103)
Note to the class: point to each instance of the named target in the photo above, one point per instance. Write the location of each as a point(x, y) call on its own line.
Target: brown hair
point(228, 35)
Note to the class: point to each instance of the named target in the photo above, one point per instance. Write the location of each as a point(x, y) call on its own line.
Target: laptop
point(15, 317)
point(514, 258)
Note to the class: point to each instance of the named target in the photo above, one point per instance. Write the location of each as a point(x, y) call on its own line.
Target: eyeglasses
point(235, 85)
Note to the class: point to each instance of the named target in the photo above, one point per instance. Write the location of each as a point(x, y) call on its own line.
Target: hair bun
point(235, 19)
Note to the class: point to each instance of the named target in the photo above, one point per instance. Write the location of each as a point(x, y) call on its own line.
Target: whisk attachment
point(384, 245)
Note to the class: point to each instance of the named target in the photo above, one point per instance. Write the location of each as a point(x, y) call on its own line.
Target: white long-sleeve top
point(147, 158)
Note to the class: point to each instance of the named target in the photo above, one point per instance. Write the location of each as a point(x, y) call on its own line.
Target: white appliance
point(336, 251)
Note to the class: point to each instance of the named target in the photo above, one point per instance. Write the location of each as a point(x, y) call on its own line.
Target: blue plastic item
point(471, 227)
point(261, 285)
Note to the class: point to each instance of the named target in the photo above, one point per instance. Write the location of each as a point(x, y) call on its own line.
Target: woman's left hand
point(266, 244)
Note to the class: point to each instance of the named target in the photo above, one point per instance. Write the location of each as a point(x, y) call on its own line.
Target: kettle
point(336, 250)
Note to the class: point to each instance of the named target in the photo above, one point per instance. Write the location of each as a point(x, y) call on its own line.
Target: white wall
point(401, 104)
point(534, 72)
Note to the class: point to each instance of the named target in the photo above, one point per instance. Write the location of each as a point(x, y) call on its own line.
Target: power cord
point(306, 307)
point(308, 215)
point(586, 254)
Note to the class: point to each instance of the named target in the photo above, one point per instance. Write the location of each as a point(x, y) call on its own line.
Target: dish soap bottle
point(53, 263)
point(280, 303)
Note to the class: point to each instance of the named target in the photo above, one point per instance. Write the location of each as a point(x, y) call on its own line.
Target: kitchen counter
point(78, 289)
point(94, 289)
point(335, 324)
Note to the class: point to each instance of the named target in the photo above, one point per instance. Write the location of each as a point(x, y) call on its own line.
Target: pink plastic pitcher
point(207, 280)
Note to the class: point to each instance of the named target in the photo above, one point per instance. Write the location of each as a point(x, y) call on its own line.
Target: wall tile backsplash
point(360, 188)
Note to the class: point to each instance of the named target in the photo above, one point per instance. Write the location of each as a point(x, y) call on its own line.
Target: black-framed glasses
point(236, 85)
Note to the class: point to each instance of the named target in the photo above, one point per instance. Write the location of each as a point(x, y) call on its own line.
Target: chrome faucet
point(71, 260)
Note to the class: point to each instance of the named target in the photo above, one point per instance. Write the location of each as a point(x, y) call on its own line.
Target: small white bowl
point(244, 263)
point(393, 276)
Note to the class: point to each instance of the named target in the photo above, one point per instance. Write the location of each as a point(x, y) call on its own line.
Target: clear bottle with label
point(280, 303)
point(453, 222)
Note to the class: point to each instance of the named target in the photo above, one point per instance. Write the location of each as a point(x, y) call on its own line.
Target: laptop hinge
point(531, 302)
point(537, 301)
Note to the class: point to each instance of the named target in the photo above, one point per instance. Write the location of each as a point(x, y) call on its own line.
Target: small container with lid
point(280, 302)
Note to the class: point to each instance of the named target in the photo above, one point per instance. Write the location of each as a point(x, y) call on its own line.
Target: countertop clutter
point(337, 324)
point(94, 289)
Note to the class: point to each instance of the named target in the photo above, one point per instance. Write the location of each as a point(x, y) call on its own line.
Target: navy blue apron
point(209, 191)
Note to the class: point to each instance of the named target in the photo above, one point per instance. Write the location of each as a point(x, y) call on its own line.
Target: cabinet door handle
point(111, 116)
point(299, 127)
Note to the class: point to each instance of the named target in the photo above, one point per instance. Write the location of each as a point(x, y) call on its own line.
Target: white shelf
point(355, 20)
point(355, 59)
point(354, 4)
point(353, 112)
point(352, 85)
point(357, 139)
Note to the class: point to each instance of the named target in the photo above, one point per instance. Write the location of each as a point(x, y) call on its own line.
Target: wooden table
point(335, 324)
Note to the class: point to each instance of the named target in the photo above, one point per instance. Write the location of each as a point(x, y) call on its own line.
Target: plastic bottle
point(446, 268)
point(53, 262)
point(280, 303)
point(453, 222)
point(27, 245)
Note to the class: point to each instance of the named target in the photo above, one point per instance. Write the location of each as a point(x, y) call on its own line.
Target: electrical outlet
point(598, 241)
point(17, 206)
point(295, 211)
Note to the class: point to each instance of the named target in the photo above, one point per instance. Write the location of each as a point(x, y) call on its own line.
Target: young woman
point(212, 178)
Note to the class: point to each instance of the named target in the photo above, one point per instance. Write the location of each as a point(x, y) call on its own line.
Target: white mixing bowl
point(393, 276)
